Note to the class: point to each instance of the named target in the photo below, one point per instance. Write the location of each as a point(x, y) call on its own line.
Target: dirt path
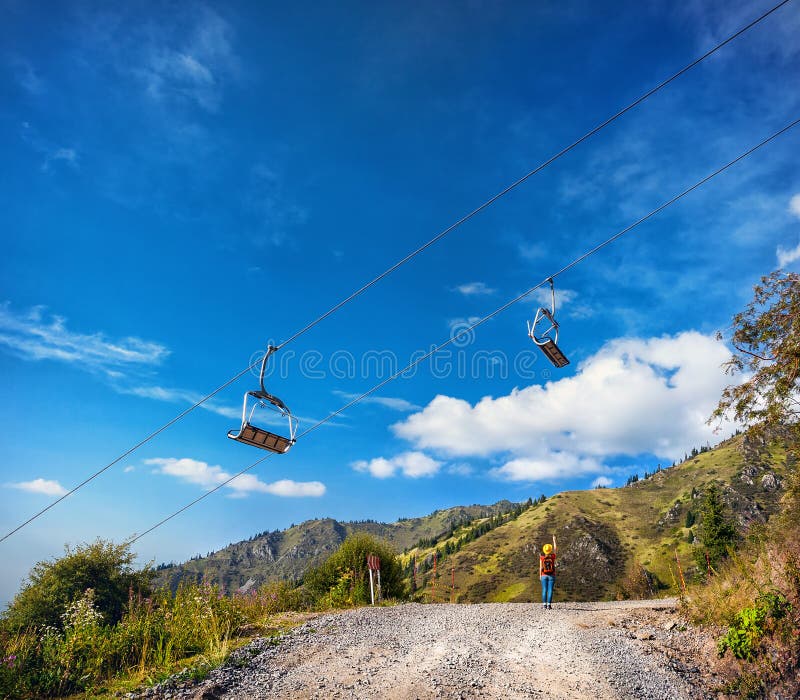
point(631, 649)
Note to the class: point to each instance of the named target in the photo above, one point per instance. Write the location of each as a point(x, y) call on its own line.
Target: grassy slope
point(601, 532)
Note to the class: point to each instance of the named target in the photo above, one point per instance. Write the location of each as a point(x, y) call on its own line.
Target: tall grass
point(156, 636)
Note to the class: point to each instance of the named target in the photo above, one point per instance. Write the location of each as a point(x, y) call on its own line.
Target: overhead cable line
point(416, 252)
point(529, 174)
point(494, 313)
point(131, 450)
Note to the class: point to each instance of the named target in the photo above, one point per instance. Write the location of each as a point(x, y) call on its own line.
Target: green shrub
point(342, 580)
point(752, 624)
point(52, 586)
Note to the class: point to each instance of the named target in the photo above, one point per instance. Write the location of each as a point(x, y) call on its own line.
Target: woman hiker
point(547, 573)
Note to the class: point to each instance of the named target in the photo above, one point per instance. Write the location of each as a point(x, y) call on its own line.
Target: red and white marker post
point(374, 564)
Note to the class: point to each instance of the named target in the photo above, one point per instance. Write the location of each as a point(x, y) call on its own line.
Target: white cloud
point(33, 337)
point(160, 393)
point(391, 402)
point(192, 66)
point(602, 481)
point(794, 205)
point(786, 256)
point(209, 476)
point(295, 489)
point(130, 468)
point(412, 465)
point(475, 289)
point(48, 487)
point(632, 397)
point(549, 466)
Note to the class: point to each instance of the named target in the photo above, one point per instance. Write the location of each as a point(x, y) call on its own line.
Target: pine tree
point(717, 532)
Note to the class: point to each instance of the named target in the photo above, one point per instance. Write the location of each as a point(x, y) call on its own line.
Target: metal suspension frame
point(257, 437)
point(550, 316)
point(548, 344)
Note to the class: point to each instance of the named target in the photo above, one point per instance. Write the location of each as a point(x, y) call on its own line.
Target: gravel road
point(631, 649)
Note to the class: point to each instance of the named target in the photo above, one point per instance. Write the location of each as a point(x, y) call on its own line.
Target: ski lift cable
point(132, 449)
point(412, 255)
point(491, 315)
point(197, 500)
point(529, 174)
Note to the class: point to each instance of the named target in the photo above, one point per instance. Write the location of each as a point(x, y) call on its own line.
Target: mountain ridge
point(613, 542)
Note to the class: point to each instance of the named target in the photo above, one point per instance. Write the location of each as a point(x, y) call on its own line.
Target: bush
point(752, 624)
point(343, 579)
point(52, 586)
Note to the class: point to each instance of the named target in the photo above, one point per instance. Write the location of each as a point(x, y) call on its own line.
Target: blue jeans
point(547, 588)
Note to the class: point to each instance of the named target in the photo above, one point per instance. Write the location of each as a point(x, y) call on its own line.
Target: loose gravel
point(630, 649)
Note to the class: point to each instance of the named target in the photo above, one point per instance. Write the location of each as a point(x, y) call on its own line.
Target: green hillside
point(287, 554)
point(603, 534)
point(490, 553)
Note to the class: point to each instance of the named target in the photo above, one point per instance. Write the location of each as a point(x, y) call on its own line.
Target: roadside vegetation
point(753, 593)
point(88, 623)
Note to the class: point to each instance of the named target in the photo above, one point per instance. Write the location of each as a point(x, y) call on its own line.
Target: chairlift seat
point(249, 434)
point(553, 353)
point(257, 437)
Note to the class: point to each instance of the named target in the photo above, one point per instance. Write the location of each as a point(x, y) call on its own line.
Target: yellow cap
point(547, 548)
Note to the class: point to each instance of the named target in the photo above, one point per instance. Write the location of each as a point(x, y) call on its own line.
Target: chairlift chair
point(254, 436)
point(547, 344)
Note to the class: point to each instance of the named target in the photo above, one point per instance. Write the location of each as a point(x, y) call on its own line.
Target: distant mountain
point(287, 554)
point(609, 540)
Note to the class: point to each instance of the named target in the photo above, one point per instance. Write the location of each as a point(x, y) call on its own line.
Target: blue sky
point(184, 182)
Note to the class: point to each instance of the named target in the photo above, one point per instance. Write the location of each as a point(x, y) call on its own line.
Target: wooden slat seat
point(263, 439)
point(553, 353)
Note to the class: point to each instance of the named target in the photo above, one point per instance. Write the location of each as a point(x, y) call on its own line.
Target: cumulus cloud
point(208, 476)
point(475, 289)
point(295, 489)
point(633, 397)
point(550, 466)
point(411, 464)
point(47, 487)
point(32, 336)
point(602, 481)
